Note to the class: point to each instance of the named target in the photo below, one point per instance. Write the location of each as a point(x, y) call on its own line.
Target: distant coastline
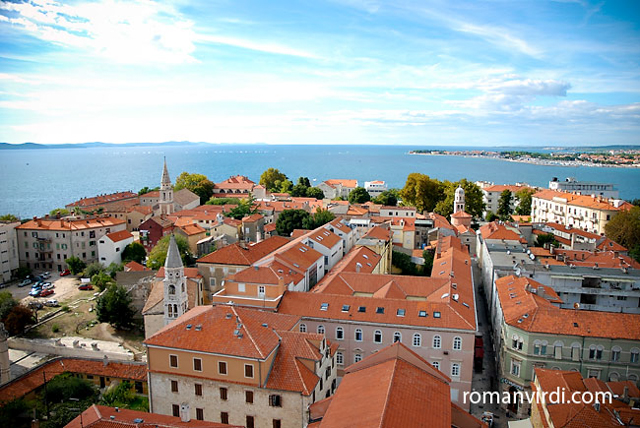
point(620, 158)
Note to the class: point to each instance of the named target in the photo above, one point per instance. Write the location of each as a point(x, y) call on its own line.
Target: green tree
point(114, 307)
point(245, 207)
point(134, 252)
point(491, 216)
point(624, 228)
point(315, 192)
point(197, 183)
point(284, 186)
point(159, 252)
point(428, 256)
point(18, 319)
point(223, 201)
point(7, 303)
point(101, 280)
point(23, 272)
point(288, 220)
point(66, 386)
point(15, 414)
point(124, 396)
point(75, 265)
point(146, 190)
point(472, 198)
point(359, 196)
point(9, 218)
point(92, 269)
point(272, 179)
point(320, 217)
point(421, 192)
point(301, 189)
point(388, 198)
point(59, 211)
point(546, 238)
point(524, 197)
point(504, 205)
point(114, 268)
point(403, 262)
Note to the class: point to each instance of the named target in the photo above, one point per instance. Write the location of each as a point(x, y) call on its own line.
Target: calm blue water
point(35, 181)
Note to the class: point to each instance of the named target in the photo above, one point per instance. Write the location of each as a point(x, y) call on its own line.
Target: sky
point(472, 73)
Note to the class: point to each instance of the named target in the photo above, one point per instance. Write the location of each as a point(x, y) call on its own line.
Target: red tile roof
point(34, 379)
point(102, 199)
point(377, 232)
point(298, 256)
point(273, 273)
point(324, 237)
point(460, 214)
point(120, 236)
point(134, 267)
point(69, 224)
point(502, 187)
point(235, 254)
point(252, 218)
point(216, 335)
point(345, 183)
point(108, 417)
point(531, 312)
point(192, 229)
point(360, 259)
point(494, 230)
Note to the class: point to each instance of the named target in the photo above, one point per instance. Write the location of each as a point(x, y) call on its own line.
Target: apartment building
point(570, 184)
point(491, 196)
point(239, 366)
point(530, 332)
point(590, 213)
point(375, 188)
point(9, 259)
point(46, 243)
point(347, 234)
point(103, 201)
point(111, 245)
point(334, 188)
point(237, 186)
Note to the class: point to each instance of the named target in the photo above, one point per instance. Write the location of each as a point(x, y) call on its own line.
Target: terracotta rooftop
point(98, 416)
point(460, 214)
point(324, 237)
point(119, 236)
point(216, 333)
point(502, 187)
point(406, 385)
point(252, 218)
point(272, 273)
point(192, 229)
point(236, 182)
point(134, 267)
point(345, 183)
point(583, 201)
point(440, 222)
point(336, 223)
point(102, 199)
point(298, 256)
point(34, 379)
point(531, 312)
point(602, 259)
point(235, 254)
point(70, 224)
point(358, 259)
point(377, 232)
point(494, 230)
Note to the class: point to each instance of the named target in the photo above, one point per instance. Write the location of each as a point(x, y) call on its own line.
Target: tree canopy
point(59, 211)
point(245, 207)
point(9, 218)
point(159, 252)
point(359, 195)
point(17, 319)
point(223, 201)
point(272, 179)
point(317, 219)
point(388, 198)
point(422, 192)
point(75, 265)
point(303, 189)
point(197, 183)
point(288, 220)
point(147, 189)
point(134, 252)
point(472, 197)
point(504, 205)
point(114, 307)
point(524, 198)
point(624, 228)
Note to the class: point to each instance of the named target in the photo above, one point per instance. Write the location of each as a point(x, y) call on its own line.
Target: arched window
point(172, 289)
point(397, 337)
point(633, 378)
point(320, 329)
point(575, 351)
point(457, 343)
point(615, 353)
point(339, 333)
point(170, 308)
point(614, 377)
point(377, 336)
point(557, 349)
point(183, 287)
point(635, 353)
point(436, 342)
point(357, 358)
point(514, 341)
point(303, 328)
point(417, 340)
point(358, 335)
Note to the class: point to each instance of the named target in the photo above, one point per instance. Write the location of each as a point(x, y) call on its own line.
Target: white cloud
point(254, 45)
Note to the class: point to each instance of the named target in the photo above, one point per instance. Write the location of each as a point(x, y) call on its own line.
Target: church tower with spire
point(175, 284)
point(458, 200)
point(166, 192)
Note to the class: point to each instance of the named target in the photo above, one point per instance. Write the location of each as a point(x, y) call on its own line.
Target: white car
point(24, 282)
point(52, 303)
point(46, 275)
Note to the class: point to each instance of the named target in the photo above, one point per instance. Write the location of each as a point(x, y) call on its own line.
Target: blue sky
point(321, 72)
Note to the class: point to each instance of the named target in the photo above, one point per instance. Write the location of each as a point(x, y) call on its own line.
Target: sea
point(35, 181)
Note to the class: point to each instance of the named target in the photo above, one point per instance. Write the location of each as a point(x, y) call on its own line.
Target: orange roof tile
point(273, 273)
point(252, 218)
point(134, 267)
point(192, 229)
point(70, 224)
point(460, 214)
point(344, 182)
point(359, 258)
point(120, 236)
point(324, 237)
point(298, 256)
point(377, 232)
point(102, 199)
point(494, 230)
point(235, 254)
point(34, 379)
point(216, 334)
point(502, 187)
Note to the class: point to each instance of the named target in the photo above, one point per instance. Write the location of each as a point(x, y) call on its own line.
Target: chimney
point(625, 394)
point(184, 412)
point(46, 216)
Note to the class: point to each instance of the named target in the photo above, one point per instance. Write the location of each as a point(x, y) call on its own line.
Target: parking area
point(65, 288)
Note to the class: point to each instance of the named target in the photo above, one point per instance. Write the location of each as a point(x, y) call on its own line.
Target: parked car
point(65, 272)
point(35, 305)
point(45, 293)
point(35, 292)
point(46, 275)
point(24, 282)
point(47, 285)
point(37, 284)
point(85, 287)
point(52, 303)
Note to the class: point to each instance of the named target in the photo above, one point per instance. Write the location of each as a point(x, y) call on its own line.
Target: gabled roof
point(377, 232)
point(337, 224)
point(494, 230)
point(358, 259)
point(324, 237)
point(406, 386)
point(69, 224)
point(299, 256)
point(273, 273)
point(502, 187)
point(343, 182)
point(192, 229)
point(103, 199)
point(461, 214)
point(185, 196)
point(98, 416)
point(235, 254)
point(119, 236)
point(216, 333)
point(135, 267)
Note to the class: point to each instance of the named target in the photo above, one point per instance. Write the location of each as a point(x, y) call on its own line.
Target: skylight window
point(324, 306)
point(379, 310)
point(422, 314)
point(436, 314)
point(345, 308)
point(365, 256)
point(400, 312)
point(362, 309)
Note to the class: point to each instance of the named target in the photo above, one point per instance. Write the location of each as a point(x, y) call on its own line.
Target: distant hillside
point(34, 146)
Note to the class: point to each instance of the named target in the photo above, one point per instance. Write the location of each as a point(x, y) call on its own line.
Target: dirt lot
point(66, 288)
